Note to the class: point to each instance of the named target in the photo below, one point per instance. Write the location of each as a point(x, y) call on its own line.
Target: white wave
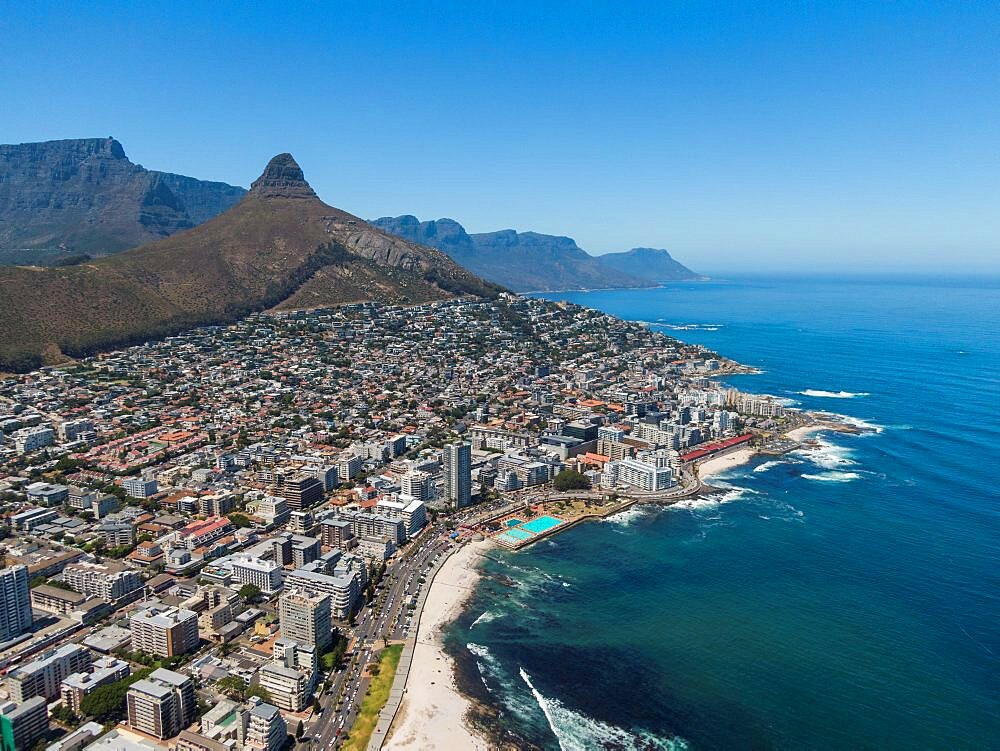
point(578, 732)
point(700, 503)
point(857, 422)
point(833, 477)
point(766, 466)
point(487, 663)
point(827, 455)
point(484, 617)
point(833, 394)
point(690, 326)
point(629, 515)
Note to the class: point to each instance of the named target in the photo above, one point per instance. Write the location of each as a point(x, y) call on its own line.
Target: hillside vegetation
point(281, 246)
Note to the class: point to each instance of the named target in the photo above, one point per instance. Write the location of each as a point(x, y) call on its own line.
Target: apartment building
point(42, 676)
point(15, 604)
point(21, 725)
point(305, 618)
point(110, 581)
point(161, 705)
point(164, 631)
point(265, 575)
point(76, 686)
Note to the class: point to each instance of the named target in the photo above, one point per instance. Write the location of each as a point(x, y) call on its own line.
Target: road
point(387, 617)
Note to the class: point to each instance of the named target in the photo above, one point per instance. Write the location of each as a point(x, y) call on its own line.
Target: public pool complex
point(518, 531)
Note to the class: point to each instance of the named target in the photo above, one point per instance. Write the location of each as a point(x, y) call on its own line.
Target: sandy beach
point(719, 464)
point(432, 714)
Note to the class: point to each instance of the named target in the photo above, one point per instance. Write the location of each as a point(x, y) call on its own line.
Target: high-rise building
point(140, 487)
point(305, 618)
point(287, 686)
point(165, 631)
point(457, 461)
point(336, 532)
point(161, 705)
point(266, 729)
point(295, 549)
point(344, 590)
point(15, 602)
point(265, 575)
point(413, 513)
point(23, 724)
point(41, 677)
point(110, 581)
point(416, 485)
point(75, 687)
point(72, 430)
point(302, 490)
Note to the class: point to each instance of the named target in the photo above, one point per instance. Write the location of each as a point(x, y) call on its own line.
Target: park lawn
point(375, 699)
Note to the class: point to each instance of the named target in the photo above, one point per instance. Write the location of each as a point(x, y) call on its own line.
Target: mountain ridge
point(526, 261)
point(280, 247)
point(85, 195)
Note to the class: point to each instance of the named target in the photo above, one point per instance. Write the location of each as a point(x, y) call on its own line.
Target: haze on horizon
point(860, 137)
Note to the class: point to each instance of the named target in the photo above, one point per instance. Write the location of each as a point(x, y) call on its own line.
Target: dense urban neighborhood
point(221, 540)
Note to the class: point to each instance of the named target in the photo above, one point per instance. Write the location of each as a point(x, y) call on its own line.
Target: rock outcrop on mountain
point(280, 247)
point(521, 261)
point(85, 196)
point(650, 264)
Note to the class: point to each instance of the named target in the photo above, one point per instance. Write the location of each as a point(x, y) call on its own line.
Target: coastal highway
point(387, 617)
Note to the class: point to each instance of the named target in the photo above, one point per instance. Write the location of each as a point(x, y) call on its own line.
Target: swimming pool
point(512, 522)
point(513, 536)
point(518, 534)
point(541, 524)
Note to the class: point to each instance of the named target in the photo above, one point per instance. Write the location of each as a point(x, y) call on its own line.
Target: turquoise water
point(512, 522)
point(541, 524)
point(845, 596)
point(518, 535)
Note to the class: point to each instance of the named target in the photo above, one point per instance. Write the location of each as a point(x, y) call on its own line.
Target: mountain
point(651, 264)
point(279, 247)
point(85, 196)
point(521, 261)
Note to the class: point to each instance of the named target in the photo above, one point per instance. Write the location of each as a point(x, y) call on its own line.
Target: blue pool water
point(512, 522)
point(541, 524)
point(845, 596)
point(516, 534)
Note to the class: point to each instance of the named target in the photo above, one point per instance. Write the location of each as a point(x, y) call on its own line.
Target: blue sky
point(741, 136)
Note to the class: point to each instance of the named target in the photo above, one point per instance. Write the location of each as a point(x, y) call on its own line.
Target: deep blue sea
point(843, 597)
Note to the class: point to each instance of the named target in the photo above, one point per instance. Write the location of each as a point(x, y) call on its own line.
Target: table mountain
point(521, 261)
point(85, 196)
point(651, 264)
point(279, 247)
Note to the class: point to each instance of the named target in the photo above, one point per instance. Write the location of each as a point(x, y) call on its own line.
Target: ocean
point(844, 596)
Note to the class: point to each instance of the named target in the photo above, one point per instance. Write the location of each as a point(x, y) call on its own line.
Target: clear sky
point(740, 136)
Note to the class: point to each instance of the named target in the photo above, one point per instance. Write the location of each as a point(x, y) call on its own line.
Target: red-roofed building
point(201, 533)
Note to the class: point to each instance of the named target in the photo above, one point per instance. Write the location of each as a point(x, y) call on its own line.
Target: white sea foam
point(578, 732)
point(484, 617)
point(833, 477)
point(701, 503)
point(629, 515)
point(827, 455)
point(833, 394)
point(857, 422)
point(690, 326)
point(766, 466)
point(486, 662)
